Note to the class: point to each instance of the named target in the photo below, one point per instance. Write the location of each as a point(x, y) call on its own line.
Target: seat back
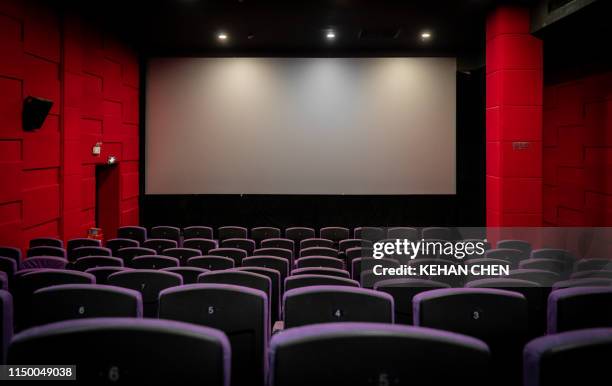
point(87, 262)
point(198, 232)
point(232, 232)
point(235, 277)
point(275, 289)
point(6, 323)
point(77, 301)
point(521, 245)
point(579, 308)
point(298, 234)
point(182, 254)
point(46, 251)
point(154, 262)
point(127, 254)
point(246, 245)
point(552, 265)
point(319, 261)
point(513, 256)
point(233, 253)
point(201, 244)
point(361, 264)
point(46, 242)
point(407, 233)
point(299, 281)
point(434, 357)
point(278, 243)
point(593, 265)
point(540, 276)
point(149, 283)
point(327, 304)
point(82, 242)
point(132, 232)
point(440, 233)
point(88, 251)
point(159, 245)
point(10, 252)
point(277, 263)
point(262, 233)
point(211, 263)
point(189, 274)
point(316, 242)
point(102, 273)
point(241, 313)
point(335, 234)
point(116, 244)
point(370, 233)
point(44, 262)
point(278, 252)
point(200, 355)
point(319, 251)
point(321, 271)
point(166, 232)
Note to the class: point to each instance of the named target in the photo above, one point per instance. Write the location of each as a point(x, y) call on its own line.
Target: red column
point(513, 119)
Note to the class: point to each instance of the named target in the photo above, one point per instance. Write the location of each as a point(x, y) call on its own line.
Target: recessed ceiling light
point(222, 36)
point(330, 35)
point(425, 35)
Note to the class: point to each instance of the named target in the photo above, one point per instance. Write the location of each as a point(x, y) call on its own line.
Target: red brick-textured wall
point(514, 67)
point(578, 152)
point(47, 177)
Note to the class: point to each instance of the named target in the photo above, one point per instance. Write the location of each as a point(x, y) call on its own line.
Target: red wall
point(47, 177)
point(578, 152)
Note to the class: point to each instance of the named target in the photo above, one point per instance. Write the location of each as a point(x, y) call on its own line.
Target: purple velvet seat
point(579, 308)
point(297, 234)
point(8, 266)
point(159, 245)
point(132, 232)
point(182, 254)
point(197, 232)
point(6, 323)
point(87, 262)
point(316, 242)
point(275, 289)
point(211, 262)
point(82, 242)
point(10, 252)
point(319, 251)
point(319, 261)
point(580, 357)
point(46, 251)
point(201, 244)
point(513, 256)
point(335, 234)
point(375, 353)
point(278, 263)
point(88, 251)
point(44, 262)
point(299, 281)
point(46, 242)
point(278, 252)
point(154, 262)
point(604, 274)
point(236, 277)
point(345, 244)
point(498, 317)
point(130, 350)
point(593, 265)
point(369, 233)
point(540, 276)
point(355, 253)
point(149, 283)
point(407, 233)
point(233, 253)
point(329, 304)
point(403, 291)
point(116, 244)
point(438, 233)
point(232, 232)
point(127, 254)
point(321, 271)
point(278, 243)
point(4, 284)
point(586, 282)
point(77, 301)
point(521, 245)
point(240, 312)
point(246, 245)
point(102, 273)
point(189, 274)
point(558, 254)
point(167, 233)
point(263, 233)
point(552, 265)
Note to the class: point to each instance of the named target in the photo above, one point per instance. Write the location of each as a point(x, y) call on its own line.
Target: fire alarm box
point(97, 148)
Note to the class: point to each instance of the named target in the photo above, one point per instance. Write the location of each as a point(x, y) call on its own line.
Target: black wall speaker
point(35, 111)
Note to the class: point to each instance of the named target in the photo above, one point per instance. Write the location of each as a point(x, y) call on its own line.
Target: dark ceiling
point(190, 27)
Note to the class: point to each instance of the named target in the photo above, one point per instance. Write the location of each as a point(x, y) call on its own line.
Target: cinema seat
point(278, 263)
point(78, 301)
point(149, 283)
point(552, 265)
point(4, 284)
point(521, 245)
point(579, 308)
point(46, 242)
point(27, 283)
point(354, 253)
point(102, 273)
point(241, 313)
point(316, 242)
point(335, 234)
point(321, 271)
point(46, 251)
point(6, 323)
point(116, 244)
point(330, 304)
point(10, 252)
point(275, 289)
point(585, 282)
point(278, 243)
point(403, 290)
point(580, 357)
point(85, 263)
point(407, 233)
point(44, 262)
point(232, 232)
point(343, 245)
point(82, 242)
point(439, 233)
point(127, 254)
point(262, 233)
point(132, 232)
point(167, 233)
point(154, 262)
point(233, 253)
point(498, 317)
point(203, 245)
point(512, 256)
point(361, 264)
point(159, 245)
point(593, 265)
point(369, 233)
point(605, 274)
point(278, 252)
point(376, 353)
point(104, 351)
point(297, 234)
point(9, 266)
point(319, 261)
point(182, 254)
point(197, 232)
point(557, 254)
point(540, 276)
point(318, 251)
point(211, 263)
point(189, 274)
point(88, 251)
point(299, 281)
point(241, 278)
point(246, 245)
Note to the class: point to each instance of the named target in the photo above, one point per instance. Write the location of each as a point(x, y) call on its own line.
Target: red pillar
point(513, 119)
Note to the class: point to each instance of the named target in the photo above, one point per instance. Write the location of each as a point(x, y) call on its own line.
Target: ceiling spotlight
point(222, 36)
point(425, 35)
point(330, 35)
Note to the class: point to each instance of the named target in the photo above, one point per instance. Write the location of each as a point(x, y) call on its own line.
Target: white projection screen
point(355, 126)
